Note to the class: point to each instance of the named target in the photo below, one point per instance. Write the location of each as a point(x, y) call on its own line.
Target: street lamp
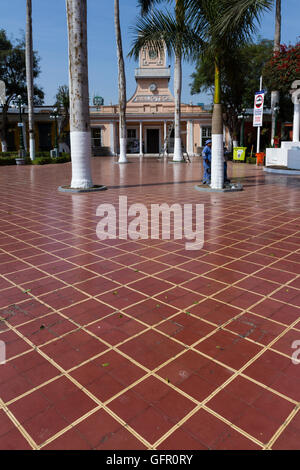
point(18, 103)
point(54, 115)
point(242, 117)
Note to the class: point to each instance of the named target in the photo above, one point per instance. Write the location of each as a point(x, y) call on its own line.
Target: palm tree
point(222, 23)
point(162, 29)
point(29, 77)
point(62, 103)
point(122, 87)
point(80, 132)
point(275, 93)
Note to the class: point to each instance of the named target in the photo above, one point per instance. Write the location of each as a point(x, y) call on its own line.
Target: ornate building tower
point(152, 78)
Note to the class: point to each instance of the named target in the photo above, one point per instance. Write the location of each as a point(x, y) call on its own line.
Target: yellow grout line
point(18, 425)
point(282, 428)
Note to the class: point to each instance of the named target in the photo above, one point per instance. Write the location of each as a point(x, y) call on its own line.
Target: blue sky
point(50, 40)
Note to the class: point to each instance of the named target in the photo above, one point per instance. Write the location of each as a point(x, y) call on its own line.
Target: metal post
point(56, 132)
point(258, 129)
point(22, 149)
point(242, 131)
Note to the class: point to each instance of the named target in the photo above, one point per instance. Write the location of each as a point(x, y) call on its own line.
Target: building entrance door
point(152, 140)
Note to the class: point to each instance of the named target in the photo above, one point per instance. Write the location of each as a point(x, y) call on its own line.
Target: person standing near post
point(206, 155)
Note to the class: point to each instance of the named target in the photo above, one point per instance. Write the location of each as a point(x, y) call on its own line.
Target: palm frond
point(145, 5)
point(162, 29)
point(241, 16)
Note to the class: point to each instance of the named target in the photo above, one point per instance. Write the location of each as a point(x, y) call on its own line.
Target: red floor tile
point(150, 286)
point(257, 285)
point(204, 286)
point(62, 298)
point(70, 440)
point(231, 350)
point(116, 328)
point(180, 298)
point(276, 311)
point(183, 440)
point(176, 276)
point(150, 311)
point(225, 275)
point(238, 297)
point(87, 311)
point(215, 434)
point(73, 349)
point(185, 328)
point(214, 311)
point(42, 286)
point(255, 410)
point(195, 374)
point(125, 276)
point(121, 297)
point(151, 349)
point(97, 286)
point(255, 328)
point(103, 432)
point(14, 440)
point(289, 438)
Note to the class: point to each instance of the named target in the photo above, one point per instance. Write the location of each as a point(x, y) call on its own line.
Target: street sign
point(258, 108)
point(2, 92)
point(98, 101)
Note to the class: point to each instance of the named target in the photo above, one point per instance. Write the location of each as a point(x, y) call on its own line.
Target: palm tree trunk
point(29, 78)
point(80, 132)
point(122, 87)
point(275, 94)
point(177, 157)
point(217, 157)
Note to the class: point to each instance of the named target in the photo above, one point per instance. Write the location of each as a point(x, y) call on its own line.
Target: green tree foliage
point(13, 70)
point(13, 73)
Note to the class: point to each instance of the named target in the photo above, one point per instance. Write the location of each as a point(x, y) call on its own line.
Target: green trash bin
point(239, 154)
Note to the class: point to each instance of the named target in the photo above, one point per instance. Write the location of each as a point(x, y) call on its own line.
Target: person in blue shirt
point(206, 155)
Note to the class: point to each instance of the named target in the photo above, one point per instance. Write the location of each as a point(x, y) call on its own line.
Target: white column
point(165, 136)
point(141, 139)
point(190, 137)
point(296, 123)
point(112, 138)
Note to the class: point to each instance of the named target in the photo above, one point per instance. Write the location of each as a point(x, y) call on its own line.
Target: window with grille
point(131, 133)
point(96, 137)
point(206, 134)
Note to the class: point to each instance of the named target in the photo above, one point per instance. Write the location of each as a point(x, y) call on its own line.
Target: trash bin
point(260, 158)
point(239, 154)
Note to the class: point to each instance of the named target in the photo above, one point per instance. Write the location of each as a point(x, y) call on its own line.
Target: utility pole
point(258, 129)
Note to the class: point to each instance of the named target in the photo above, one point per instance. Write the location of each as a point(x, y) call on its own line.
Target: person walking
point(206, 155)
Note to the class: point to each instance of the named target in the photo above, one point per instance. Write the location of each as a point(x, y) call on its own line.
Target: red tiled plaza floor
point(142, 344)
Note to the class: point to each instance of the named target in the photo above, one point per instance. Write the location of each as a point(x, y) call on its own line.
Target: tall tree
point(157, 30)
point(275, 97)
point(13, 73)
point(222, 23)
point(62, 103)
point(122, 87)
point(240, 72)
point(80, 132)
point(29, 78)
